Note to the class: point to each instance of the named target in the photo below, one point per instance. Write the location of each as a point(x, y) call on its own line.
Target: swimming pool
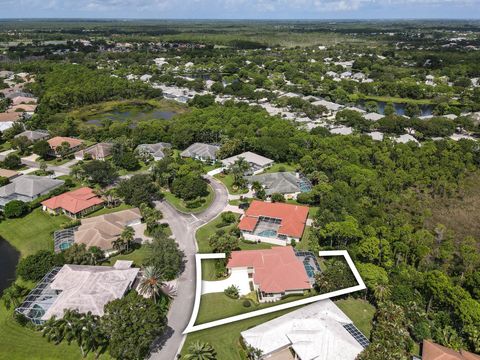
point(64, 246)
point(268, 233)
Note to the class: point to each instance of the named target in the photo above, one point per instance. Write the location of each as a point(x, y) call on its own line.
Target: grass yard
point(138, 256)
point(281, 167)
point(217, 306)
point(106, 210)
point(304, 243)
point(141, 170)
point(360, 311)
point(181, 206)
point(226, 338)
point(227, 180)
point(32, 232)
point(19, 343)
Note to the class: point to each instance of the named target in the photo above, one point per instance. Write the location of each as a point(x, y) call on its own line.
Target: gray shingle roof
point(280, 182)
point(200, 150)
point(249, 157)
point(30, 185)
point(156, 150)
point(34, 135)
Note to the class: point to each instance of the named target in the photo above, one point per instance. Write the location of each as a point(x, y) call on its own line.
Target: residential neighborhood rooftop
point(432, 351)
point(201, 150)
point(250, 157)
point(275, 270)
point(293, 217)
point(74, 201)
point(59, 140)
point(314, 332)
point(102, 230)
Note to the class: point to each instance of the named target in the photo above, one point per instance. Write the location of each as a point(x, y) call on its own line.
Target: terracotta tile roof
point(74, 201)
point(4, 117)
point(22, 108)
point(275, 270)
point(293, 217)
point(58, 140)
point(432, 351)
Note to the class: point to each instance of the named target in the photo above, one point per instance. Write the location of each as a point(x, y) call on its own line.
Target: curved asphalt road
point(184, 227)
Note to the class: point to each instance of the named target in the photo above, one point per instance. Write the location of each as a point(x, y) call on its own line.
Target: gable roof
point(205, 151)
point(30, 185)
point(74, 201)
point(59, 140)
point(102, 230)
point(6, 173)
point(293, 217)
point(12, 116)
point(275, 270)
point(88, 288)
point(279, 182)
point(249, 157)
point(432, 351)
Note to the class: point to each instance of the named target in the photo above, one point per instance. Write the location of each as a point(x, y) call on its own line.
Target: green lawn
point(32, 232)
point(106, 210)
point(138, 256)
point(215, 306)
point(304, 243)
point(361, 312)
point(19, 343)
point(226, 338)
point(227, 180)
point(281, 167)
point(143, 169)
point(180, 205)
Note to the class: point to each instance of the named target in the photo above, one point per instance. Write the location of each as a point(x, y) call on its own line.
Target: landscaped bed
point(181, 205)
point(227, 180)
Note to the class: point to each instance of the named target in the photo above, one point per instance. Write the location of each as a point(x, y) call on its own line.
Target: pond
point(426, 110)
point(130, 115)
point(8, 261)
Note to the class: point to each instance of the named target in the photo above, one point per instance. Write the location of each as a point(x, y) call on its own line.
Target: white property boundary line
point(191, 327)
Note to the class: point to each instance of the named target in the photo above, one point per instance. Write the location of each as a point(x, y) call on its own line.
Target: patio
point(238, 277)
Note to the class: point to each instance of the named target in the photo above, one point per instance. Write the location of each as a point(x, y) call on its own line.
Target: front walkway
point(238, 277)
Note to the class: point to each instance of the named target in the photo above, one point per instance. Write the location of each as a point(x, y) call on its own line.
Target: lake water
point(134, 116)
point(8, 261)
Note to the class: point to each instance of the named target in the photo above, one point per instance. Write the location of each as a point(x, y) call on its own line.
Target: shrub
point(232, 292)
point(228, 217)
point(247, 303)
point(15, 209)
point(276, 197)
point(35, 266)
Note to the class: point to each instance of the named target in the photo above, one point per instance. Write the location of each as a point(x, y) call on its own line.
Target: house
point(257, 162)
point(341, 130)
point(10, 117)
point(319, 331)
point(103, 230)
point(404, 139)
point(157, 151)
point(288, 184)
point(84, 288)
point(17, 100)
point(74, 203)
point(274, 272)
point(432, 351)
point(27, 188)
point(57, 141)
point(331, 107)
point(275, 223)
point(34, 135)
point(98, 151)
point(8, 174)
point(22, 108)
point(373, 116)
point(202, 152)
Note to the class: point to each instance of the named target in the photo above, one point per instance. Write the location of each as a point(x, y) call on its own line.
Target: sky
point(241, 9)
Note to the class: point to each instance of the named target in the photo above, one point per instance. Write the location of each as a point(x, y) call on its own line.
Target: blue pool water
point(64, 246)
point(268, 233)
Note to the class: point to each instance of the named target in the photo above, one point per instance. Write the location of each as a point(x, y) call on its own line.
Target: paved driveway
point(238, 277)
point(184, 227)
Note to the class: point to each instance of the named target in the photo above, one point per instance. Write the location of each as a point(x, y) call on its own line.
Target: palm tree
point(93, 338)
point(151, 216)
point(12, 295)
point(238, 170)
point(118, 244)
point(201, 351)
point(151, 283)
point(381, 292)
point(254, 353)
point(128, 235)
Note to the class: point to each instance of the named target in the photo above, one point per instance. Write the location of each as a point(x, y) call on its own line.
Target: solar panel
point(357, 335)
